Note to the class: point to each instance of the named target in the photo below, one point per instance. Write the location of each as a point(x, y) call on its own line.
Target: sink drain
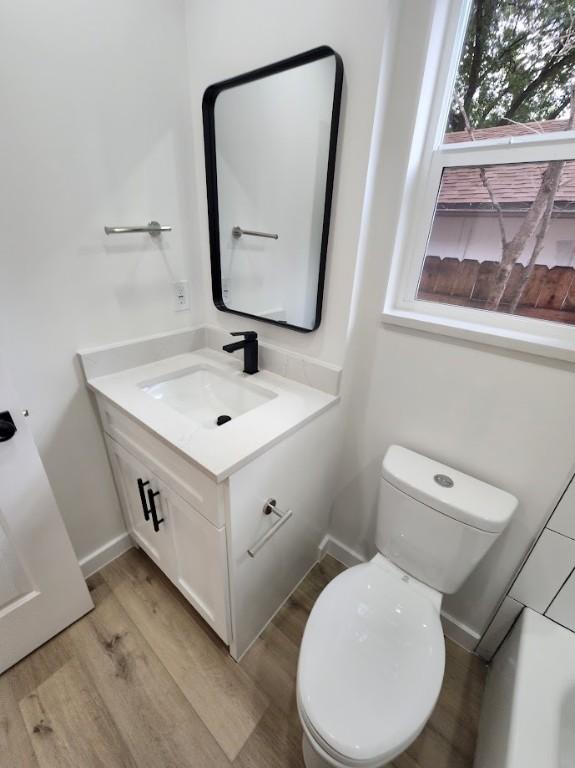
point(223, 419)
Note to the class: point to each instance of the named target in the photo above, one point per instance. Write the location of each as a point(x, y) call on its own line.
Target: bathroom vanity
point(234, 513)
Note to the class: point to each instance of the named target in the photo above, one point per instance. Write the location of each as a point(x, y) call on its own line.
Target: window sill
point(549, 345)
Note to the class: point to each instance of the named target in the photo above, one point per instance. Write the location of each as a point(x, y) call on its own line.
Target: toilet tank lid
point(460, 496)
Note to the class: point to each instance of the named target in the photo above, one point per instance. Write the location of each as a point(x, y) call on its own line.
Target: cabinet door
point(199, 567)
point(298, 473)
point(134, 483)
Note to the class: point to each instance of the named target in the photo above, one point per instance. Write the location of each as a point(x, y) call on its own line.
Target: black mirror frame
point(208, 104)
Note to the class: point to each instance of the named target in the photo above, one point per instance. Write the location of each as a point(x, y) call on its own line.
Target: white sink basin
point(203, 394)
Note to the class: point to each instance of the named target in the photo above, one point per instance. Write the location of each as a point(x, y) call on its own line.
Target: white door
point(41, 585)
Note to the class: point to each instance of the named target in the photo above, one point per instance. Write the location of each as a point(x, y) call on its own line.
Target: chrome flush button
point(444, 481)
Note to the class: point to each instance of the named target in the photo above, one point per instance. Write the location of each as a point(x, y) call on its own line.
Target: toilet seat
point(371, 664)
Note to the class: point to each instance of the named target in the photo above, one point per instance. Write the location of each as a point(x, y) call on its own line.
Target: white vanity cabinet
point(187, 547)
point(206, 529)
point(298, 474)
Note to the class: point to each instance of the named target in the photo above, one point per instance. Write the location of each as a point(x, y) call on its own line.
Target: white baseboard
point(105, 554)
point(460, 633)
point(453, 629)
point(341, 552)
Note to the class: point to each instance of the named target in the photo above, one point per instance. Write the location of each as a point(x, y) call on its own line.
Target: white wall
point(504, 417)
point(95, 130)
point(227, 39)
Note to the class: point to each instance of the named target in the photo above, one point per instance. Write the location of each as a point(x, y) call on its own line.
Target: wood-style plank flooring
point(143, 682)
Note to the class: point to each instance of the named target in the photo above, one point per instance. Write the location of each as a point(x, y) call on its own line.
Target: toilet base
point(311, 757)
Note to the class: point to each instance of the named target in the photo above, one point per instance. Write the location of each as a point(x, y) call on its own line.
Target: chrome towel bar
point(238, 232)
point(282, 518)
point(154, 228)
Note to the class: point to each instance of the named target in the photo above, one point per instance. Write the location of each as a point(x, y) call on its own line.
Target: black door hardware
point(7, 427)
point(141, 486)
point(152, 502)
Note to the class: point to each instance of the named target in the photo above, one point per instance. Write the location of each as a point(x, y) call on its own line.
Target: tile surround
point(562, 609)
point(544, 572)
point(499, 627)
point(563, 519)
point(546, 581)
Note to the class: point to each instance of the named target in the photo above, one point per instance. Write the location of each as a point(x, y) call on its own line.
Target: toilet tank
point(434, 522)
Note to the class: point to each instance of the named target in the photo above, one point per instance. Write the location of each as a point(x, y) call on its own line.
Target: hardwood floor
point(143, 681)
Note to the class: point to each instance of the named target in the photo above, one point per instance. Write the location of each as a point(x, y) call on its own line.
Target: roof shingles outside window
point(514, 185)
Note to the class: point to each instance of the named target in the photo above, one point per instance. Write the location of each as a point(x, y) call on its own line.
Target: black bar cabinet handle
point(152, 502)
point(141, 486)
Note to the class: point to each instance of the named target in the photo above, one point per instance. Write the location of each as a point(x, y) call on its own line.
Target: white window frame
point(527, 334)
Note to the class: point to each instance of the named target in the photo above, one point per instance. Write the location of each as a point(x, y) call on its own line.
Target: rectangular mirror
point(270, 142)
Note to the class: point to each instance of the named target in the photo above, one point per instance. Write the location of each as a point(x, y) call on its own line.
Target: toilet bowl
point(373, 654)
point(371, 665)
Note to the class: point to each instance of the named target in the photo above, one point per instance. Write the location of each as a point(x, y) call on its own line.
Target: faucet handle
point(249, 335)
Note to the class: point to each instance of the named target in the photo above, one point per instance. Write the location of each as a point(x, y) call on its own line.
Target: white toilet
point(373, 654)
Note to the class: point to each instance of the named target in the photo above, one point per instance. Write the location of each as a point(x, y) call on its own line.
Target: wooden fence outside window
point(549, 293)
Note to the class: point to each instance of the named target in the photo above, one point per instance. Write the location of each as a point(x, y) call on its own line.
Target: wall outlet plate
point(181, 296)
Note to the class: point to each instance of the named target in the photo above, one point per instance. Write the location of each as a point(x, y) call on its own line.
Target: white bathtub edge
point(531, 681)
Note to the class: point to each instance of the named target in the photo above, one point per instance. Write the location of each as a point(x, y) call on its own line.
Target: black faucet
point(250, 346)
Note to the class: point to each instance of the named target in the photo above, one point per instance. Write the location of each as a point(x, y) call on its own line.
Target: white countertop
point(220, 451)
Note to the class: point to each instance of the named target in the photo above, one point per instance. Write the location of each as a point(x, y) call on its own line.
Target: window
point(491, 249)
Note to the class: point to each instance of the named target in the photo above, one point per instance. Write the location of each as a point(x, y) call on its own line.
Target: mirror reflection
point(270, 147)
